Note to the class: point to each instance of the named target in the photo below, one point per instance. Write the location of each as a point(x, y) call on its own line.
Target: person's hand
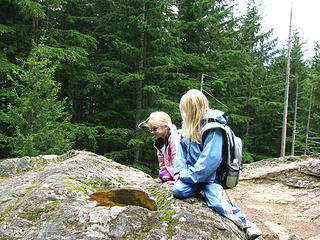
point(170, 182)
point(176, 177)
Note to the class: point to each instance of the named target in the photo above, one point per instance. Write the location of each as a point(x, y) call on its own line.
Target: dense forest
point(82, 74)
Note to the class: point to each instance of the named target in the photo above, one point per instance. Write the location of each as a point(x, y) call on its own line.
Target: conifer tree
point(113, 53)
point(299, 74)
point(36, 121)
point(256, 48)
point(207, 34)
point(137, 57)
point(311, 100)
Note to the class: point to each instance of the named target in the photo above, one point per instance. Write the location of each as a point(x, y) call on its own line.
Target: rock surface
point(47, 197)
point(282, 196)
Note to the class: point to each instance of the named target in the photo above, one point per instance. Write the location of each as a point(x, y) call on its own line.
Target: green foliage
point(114, 143)
point(247, 157)
point(30, 9)
point(36, 120)
point(97, 68)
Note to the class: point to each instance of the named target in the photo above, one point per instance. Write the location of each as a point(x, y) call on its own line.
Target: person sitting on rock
point(195, 168)
point(167, 140)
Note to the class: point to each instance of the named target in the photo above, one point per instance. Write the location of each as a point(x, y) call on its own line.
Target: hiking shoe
point(252, 232)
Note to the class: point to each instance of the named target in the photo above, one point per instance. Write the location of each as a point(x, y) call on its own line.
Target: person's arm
point(209, 160)
point(180, 159)
point(173, 144)
point(162, 165)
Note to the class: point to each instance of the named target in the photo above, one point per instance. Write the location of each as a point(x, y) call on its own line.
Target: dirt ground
point(279, 211)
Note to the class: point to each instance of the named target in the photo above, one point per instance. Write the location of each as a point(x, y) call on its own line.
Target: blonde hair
point(159, 118)
point(193, 106)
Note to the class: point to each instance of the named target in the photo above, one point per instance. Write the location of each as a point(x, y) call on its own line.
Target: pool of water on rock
point(115, 196)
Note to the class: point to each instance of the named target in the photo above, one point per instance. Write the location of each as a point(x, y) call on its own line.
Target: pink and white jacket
point(166, 161)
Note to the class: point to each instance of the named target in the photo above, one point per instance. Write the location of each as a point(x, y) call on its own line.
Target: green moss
point(170, 230)
point(38, 160)
point(61, 159)
point(4, 238)
point(84, 187)
point(34, 214)
point(171, 223)
point(78, 189)
point(98, 181)
point(55, 203)
point(29, 217)
point(142, 233)
point(42, 210)
point(168, 215)
point(87, 187)
point(162, 198)
point(139, 238)
point(120, 180)
point(7, 210)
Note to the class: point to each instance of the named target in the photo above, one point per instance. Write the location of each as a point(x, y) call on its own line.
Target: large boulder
point(57, 197)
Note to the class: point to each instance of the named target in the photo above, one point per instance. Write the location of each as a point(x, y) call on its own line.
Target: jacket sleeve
point(173, 145)
point(208, 161)
point(161, 160)
point(180, 159)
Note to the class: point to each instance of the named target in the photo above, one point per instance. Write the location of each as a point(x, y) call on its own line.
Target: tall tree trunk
point(248, 106)
point(139, 84)
point(35, 27)
point(286, 96)
point(202, 79)
point(308, 124)
point(179, 5)
point(295, 119)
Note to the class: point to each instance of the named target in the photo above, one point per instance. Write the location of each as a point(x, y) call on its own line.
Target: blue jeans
point(215, 199)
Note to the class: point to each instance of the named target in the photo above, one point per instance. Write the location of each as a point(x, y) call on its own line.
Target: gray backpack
point(229, 169)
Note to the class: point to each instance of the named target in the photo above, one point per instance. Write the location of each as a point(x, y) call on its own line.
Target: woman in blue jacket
point(195, 168)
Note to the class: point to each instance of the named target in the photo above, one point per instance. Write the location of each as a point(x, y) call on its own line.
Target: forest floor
point(279, 211)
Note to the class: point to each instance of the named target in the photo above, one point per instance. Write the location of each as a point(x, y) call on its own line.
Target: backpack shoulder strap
point(208, 126)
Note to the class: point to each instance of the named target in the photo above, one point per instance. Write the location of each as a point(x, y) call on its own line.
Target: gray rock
point(47, 197)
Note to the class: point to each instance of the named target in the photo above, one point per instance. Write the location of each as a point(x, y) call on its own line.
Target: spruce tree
point(36, 120)
point(299, 74)
point(310, 88)
point(256, 49)
point(138, 56)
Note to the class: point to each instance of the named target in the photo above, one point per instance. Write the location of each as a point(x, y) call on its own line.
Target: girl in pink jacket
point(167, 142)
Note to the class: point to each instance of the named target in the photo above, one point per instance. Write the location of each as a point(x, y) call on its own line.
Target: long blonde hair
point(193, 106)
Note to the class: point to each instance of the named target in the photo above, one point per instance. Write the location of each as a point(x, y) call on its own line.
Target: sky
point(305, 18)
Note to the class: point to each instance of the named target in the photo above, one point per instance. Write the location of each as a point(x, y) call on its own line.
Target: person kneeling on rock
point(167, 141)
point(195, 169)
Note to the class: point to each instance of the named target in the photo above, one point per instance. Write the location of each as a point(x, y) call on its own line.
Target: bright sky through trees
point(305, 18)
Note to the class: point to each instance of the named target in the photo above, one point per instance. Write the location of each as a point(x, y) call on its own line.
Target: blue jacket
point(196, 166)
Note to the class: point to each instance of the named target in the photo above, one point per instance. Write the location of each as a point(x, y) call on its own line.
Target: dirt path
point(280, 212)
